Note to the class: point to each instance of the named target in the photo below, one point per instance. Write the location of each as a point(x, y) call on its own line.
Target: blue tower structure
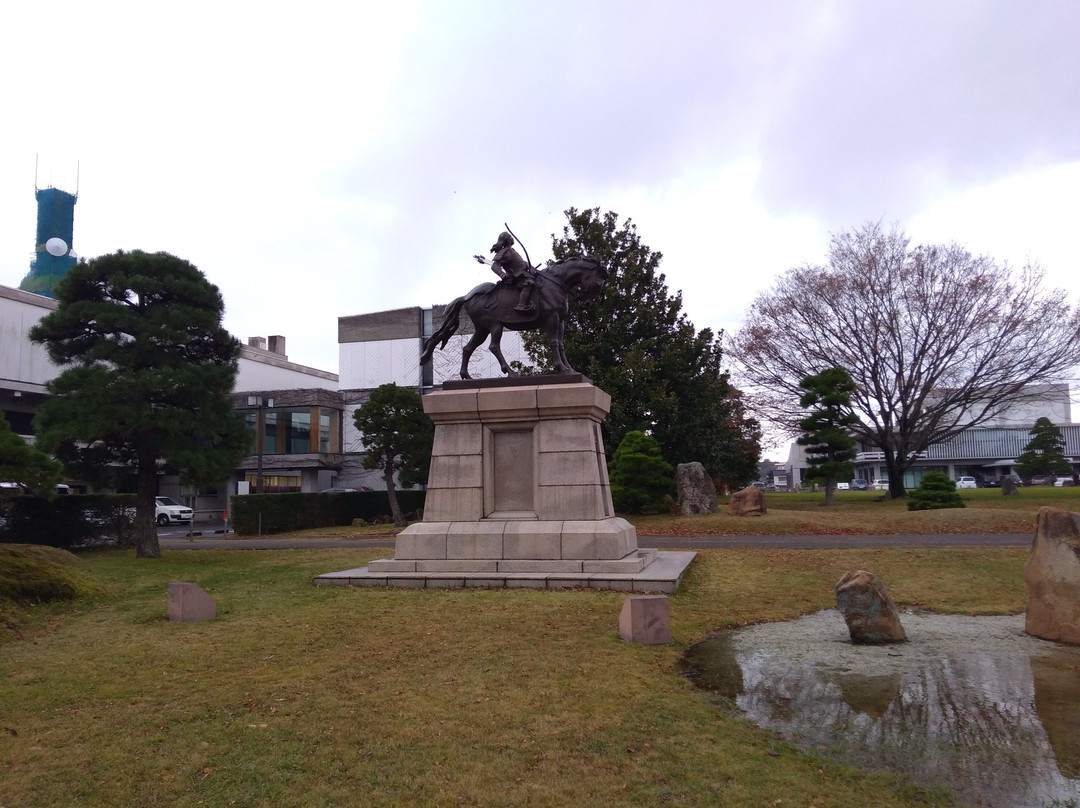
point(53, 253)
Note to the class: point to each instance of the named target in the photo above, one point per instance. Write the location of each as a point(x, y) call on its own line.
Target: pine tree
point(26, 465)
point(640, 477)
point(1045, 452)
point(830, 448)
point(149, 370)
point(634, 342)
point(936, 491)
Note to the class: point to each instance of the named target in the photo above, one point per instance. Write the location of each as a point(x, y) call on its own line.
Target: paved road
point(220, 542)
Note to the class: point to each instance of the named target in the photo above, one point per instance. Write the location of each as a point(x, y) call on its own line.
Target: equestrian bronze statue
point(525, 299)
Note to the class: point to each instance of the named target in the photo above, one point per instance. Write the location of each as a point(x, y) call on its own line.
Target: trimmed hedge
point(67, 521)
point(252, 514)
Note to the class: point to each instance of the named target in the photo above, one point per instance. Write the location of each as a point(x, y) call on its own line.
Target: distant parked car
point(1042, 479)
point(860, 485)
point(343, 490)
point(843, 486)
point(879, 485)
point(1064, 481)
point(966, 482)
point(168, 510)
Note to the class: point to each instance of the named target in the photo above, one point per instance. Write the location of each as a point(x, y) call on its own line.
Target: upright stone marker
point(697, 493)
point(1052, 575)
point(188, 603)
point(646, 619)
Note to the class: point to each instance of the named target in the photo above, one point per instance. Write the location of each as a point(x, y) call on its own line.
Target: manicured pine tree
point(830, 448)
point(1045, 452)
point(936, 491)
point(148, 375)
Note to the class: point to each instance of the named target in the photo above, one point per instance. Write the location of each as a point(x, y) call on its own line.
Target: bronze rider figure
point(513, 269)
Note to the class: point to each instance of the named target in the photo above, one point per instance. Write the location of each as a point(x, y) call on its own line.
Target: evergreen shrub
point(641, 480)
point(936, 491)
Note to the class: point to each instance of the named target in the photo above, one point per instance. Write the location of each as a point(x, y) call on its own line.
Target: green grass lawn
point(304, 696)
point(854, 513)
point(857, 512)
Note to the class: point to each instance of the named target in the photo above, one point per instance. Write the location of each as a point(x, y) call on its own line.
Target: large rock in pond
point(748, 502)
point(1052, 574)
point(868, 609)
point(697, 494)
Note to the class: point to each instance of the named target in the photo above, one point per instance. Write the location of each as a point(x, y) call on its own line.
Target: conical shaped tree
point(830, 448)
point(640, 477)
point(635, 342)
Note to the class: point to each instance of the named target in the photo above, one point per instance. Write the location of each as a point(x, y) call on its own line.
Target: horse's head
point(593, 275)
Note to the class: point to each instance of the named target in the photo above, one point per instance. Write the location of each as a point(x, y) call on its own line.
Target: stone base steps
point(658, 571)
point(631, 564)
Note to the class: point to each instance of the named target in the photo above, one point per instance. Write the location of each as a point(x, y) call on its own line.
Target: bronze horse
point(490, 306)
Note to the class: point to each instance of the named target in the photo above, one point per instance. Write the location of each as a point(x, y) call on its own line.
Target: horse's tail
point(447, 329)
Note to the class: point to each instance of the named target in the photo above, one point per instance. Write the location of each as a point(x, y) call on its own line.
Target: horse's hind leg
point(467, 353)
point(496, 348)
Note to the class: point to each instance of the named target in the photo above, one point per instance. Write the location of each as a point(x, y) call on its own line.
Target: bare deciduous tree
point(937, 340)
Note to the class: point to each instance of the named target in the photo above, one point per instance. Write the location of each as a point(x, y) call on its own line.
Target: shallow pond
point(972, 703)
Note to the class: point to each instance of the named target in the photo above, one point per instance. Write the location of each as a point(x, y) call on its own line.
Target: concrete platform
point(662, 575)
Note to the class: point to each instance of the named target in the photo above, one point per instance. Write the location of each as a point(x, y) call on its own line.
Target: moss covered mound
point(35, 574)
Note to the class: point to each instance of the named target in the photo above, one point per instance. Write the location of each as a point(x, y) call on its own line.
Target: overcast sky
point(325, 159)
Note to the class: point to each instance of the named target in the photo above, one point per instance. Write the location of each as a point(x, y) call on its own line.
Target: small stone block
point(188, 603)
point(646, 619)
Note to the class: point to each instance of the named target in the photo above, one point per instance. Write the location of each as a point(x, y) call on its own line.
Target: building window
point(275, 483)
point(299, 426)
point(291, 431)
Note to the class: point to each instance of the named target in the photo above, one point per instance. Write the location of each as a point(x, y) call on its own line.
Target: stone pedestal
point(518, 483)
point(518, 494)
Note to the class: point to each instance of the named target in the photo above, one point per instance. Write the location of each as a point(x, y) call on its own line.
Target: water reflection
point(971, 702)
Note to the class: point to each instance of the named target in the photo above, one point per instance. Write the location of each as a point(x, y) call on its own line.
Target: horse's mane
point(590, 259)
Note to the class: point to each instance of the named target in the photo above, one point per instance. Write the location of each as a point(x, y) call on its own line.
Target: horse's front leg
point(467, 352)
point(555, 343)
point(496, 348)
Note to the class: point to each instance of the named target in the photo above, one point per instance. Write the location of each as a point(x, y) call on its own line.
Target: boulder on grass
point(871, 616)
point(1052, 575)
point(697, 493)
point(748, 502)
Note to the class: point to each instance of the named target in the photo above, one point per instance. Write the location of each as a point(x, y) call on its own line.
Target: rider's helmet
point(504, 240)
